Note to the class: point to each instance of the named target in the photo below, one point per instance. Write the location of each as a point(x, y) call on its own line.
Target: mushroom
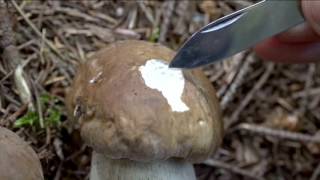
point(143, 119)
point(18, 161)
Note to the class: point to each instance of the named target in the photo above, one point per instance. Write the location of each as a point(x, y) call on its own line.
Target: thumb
point(311, 11)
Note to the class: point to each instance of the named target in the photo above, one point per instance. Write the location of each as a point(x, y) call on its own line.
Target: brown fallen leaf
point(280, 119)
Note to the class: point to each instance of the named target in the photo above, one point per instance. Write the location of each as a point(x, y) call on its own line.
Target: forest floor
point(271, 111)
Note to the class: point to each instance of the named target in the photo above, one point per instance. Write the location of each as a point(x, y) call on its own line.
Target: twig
point(308, 84)
point(312, 92)
point(18, 113)
point(37, 31)
point(279, 133)
point(133, 18)
point(214, 72)
point(225, 8)
point(58, 172)
point(239, 4)
point(167, 13)
point(23, 86)
point(232, 168)
point(76, 13)
point(76, 154)
point(238, 79)
point(7, 40)
point(180, 26)
point(235, 115)
point(57, 143)
point(39, 106)
point(105, 17)
point(12, 56)
point(42, 46)
point(146, 11)
point(9, 98)
point(316, 173)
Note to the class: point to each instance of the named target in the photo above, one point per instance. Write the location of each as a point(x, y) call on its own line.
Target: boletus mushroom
point(143, 119)
point(18, 161)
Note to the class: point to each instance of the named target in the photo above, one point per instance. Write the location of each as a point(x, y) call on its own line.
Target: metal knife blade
point(237, 32)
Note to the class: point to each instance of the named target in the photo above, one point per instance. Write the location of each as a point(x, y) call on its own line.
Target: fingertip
point(311, 11)
point(265, 49)
point(298, 34)
point(277, 51)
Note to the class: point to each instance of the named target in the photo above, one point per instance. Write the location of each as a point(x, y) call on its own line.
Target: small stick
point(239, 4)
point(167, 13)
point(58, 172)
point(308, 85)
point(37, 31)
point(7, 40)
point(294, 136)
point(146, 11)
point(232, 168)
point(312, 92)
point(316, 173)
point(234, 117)
point(238, 80)
point(39, 107)
point(12, 56)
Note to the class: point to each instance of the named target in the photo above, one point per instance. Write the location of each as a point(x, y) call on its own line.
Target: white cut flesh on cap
point(132, 106)
point(170, 82)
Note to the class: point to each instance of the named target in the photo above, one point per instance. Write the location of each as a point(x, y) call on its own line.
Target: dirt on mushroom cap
point(121, 117)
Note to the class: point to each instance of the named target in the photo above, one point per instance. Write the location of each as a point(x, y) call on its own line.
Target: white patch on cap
point(95, 78)
point(170, 82)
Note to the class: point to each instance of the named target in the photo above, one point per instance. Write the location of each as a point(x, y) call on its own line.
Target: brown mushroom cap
point(18, 161)
point(122, 117)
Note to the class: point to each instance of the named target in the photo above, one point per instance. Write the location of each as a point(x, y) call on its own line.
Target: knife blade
point(237, 32)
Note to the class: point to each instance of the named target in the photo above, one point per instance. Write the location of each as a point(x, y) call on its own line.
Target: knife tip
point(173, 64)
point(176, 63)
point(185, 61)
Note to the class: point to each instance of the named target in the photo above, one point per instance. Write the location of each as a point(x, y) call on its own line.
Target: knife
point(237, 32)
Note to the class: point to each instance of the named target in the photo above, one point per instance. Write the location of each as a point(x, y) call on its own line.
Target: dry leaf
point(280, 119)
point(210, 8)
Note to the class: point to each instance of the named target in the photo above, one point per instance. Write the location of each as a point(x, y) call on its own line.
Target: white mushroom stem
point(104, 168)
